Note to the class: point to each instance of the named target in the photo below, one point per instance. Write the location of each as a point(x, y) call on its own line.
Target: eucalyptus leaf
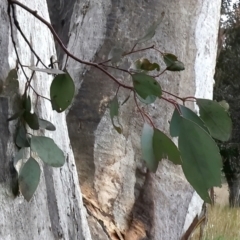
point(147, 148)
point(187, 114)
point(46, 125)
point(47, 70)
point(224, 104)
point(48, 151)
point(201, 160)
point(146, 86)
point(16, 115)
point(172, 62)
point(27, 103)
point(149, 99)
point(152, 30)
point(115, 54)
point(17, 158)
point(164, 148)
point(11, 85)
point(22, 140)
point(31, 119)
point(146, 65)
point(216, 119)
point(114, 106)
point(29, 177)
point(61, 92)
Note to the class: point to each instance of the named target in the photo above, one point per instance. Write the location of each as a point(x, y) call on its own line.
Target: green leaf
point(201, 160)
point(164, 148)
point(146, 86)
point(172, 63)
point(22, 140)
point(47, 70)
point(46, 125)
point(32, 120)
point(216, 119)
point(27, 103)
point(16, 115)
point(148, 100)
point(29, 177)
point(61, 92)
point(151, 31)
point(146, 65)
point(224, 104)
point(48, 151)
point(18, 156)
point(147, 148)
point(115, 54)
point(114, 106)
point(187, 114)
point(11, 84)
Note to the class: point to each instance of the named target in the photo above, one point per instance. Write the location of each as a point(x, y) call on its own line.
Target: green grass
point(223, 224)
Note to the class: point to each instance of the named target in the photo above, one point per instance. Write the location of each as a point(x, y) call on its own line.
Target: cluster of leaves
point(197, 152)
point(61, 94)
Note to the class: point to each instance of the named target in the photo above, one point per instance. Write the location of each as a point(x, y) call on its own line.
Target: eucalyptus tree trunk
point(123, 200)
point(56, 211)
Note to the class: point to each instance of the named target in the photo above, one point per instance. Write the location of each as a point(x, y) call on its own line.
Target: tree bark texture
point(56, 210)
point(122, 199)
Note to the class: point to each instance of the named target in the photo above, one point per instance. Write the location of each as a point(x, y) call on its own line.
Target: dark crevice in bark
point(60, 12)
point(4, 169)
point(142, 213)
point(52, 203)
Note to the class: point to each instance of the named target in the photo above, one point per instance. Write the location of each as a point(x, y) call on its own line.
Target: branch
point(35, 14)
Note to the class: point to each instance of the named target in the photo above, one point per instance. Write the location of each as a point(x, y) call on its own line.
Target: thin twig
point(139, 109)
point(24, 37)
point(182, 99)
point(35, 14)
point(13, 41)
point(117, 68)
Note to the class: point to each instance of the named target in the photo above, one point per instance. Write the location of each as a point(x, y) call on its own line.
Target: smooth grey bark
point(56, 210)
point(123, 200)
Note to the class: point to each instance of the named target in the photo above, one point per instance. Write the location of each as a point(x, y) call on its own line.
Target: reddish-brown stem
point(149, 119)
point(35, 14)
point(142, 112)
point(134, 46)
point(159, 73)
point(38, 95)
point(128, 53)
point(186, 98)
point(139, 50)
point(158, 50)
point(14, 43)
point(182, 99)
point(174, 103)
point(117, 68)
point(139, 109)
point(25, 39)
